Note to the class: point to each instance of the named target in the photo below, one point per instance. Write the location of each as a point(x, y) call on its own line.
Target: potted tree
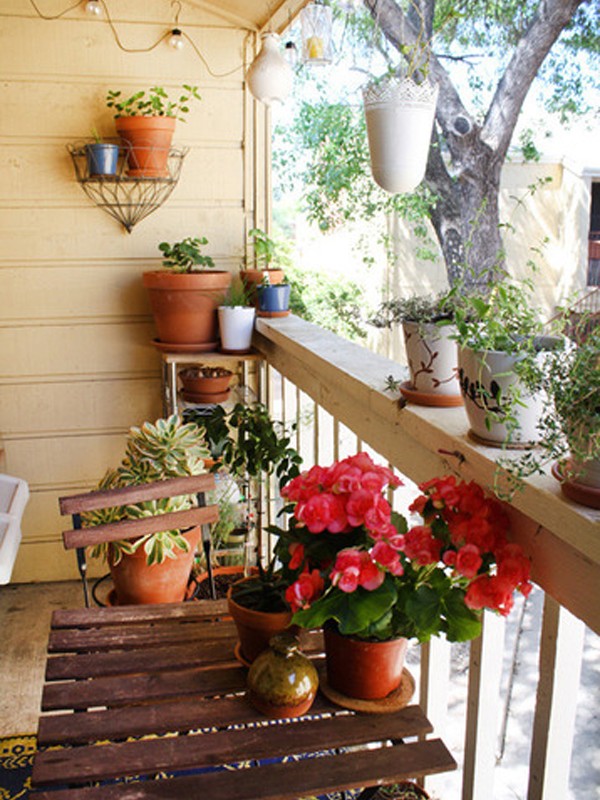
point(569, 425)
point(146, 123)
point(502, 346)
point(154, 568)
point(265, 262)
point(431, 349)
point(236, 320)
point(185, 295)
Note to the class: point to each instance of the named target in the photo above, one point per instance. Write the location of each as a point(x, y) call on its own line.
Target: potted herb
point(185, 295)
point(273, 299)
point(102, 158)
point(236, 320)
point(259, 610)
point(265, 261)
point(145, 121)
point(154, 568)
point(569, 425)
point(502, 347)
point(357, 569)
point(430, 348)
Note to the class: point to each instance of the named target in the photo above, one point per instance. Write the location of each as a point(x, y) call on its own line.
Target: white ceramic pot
point(399, 114)
point(432, 358)
point(270, 77)
point(236, 324)
point(485, 378)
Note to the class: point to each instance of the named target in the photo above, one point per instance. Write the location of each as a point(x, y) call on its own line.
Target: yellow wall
point(77, 367)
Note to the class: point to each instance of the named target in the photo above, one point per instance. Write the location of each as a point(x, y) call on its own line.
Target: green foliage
point(185, 255)
point(248, 442)
point(332, 302)
point(262, 592)
point(419, 308)
point(155, 103)
point(154, 451)
point(266, 250)
point(237, 295)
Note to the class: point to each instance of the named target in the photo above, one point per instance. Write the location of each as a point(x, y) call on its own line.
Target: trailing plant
point(155, 451)
point(570, 423)
point(154, 103)
point(264, 591)
point(185, 255)
point(418, 308)
point(246, 441)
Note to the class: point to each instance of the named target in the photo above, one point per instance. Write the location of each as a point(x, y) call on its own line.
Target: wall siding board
point(77, 367)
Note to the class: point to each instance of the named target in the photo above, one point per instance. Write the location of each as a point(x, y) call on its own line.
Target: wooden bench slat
point(118, 615)
point(188, 714)
point(149, 756)
point(120, 690)
point(133, 528)
point(173, 487)
point(151, 635)
point(283, 781)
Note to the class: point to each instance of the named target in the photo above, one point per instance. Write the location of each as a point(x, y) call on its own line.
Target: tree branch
point(530, 52)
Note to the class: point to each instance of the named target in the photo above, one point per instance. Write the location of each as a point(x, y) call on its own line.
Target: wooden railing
point(340, 386)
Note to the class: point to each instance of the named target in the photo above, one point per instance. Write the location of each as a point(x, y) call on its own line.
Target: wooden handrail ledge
point(347, 380)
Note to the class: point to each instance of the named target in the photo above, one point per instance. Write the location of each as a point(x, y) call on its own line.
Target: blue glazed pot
point(102, 158)
point(274, 300)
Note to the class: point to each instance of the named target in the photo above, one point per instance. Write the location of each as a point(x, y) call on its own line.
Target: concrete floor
point(24, 624)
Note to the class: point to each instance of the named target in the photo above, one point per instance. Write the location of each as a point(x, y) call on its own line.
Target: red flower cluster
point(464, 534)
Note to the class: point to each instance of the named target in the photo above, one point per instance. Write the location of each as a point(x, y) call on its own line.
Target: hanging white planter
point(399, 114)
point(270, 77)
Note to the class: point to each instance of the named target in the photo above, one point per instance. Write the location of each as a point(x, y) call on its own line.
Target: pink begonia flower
point(322, 512)
point(359, 503)
point(385, 555)
point(468, 560)
point(305, 590)
point(354, 568)
point(490, 592)
point(420, 545)
point(449, 558)
point(377, 518)
point(296, 550)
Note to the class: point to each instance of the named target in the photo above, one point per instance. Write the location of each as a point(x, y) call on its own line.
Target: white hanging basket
point(399, 114)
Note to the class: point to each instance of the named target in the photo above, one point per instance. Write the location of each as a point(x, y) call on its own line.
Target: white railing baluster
point(561, 650)
point(483, 700)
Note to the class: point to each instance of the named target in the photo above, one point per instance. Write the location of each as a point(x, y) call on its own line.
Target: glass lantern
point(316, 21)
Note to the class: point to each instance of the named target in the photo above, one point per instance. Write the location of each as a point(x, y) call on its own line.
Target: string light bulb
point(93, 8)
point(290, 53)
point(176, 39)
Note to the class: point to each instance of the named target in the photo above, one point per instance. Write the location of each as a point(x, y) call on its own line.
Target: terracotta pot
point(193, 380)
point(255, 628)
point(364, 670)
point(185, 305)
point(148, 140)
point(137, 583)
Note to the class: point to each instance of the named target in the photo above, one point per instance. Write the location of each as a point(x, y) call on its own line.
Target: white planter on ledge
point(236, 324)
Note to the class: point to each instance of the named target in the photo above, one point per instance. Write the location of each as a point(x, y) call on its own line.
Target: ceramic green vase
point(281, 681)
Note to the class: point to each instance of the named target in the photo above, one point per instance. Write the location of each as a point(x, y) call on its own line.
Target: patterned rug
point(16, 758)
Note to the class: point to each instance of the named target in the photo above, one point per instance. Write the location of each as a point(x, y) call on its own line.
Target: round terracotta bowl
point(199, 380)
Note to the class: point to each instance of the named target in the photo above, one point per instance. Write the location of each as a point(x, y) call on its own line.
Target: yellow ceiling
point(254, 14)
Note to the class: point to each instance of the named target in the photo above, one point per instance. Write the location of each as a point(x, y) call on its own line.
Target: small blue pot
point(274, 300)
point(102, 159)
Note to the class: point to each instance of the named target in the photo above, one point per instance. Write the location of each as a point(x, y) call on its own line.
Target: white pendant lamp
point(317, 45)
point(270, 76)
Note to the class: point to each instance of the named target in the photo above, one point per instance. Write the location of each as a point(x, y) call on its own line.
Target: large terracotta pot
point(255, 628)
point(185, 305)
point(360, 669)
point(137, 583)
point(148, 140)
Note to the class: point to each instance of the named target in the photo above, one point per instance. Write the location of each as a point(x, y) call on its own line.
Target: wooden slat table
point(150, 690)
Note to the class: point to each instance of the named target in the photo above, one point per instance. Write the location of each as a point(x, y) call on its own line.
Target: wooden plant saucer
point(425, 399)
point(394, 701)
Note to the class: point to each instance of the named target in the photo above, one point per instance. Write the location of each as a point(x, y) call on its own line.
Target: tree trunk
point(466, 217)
